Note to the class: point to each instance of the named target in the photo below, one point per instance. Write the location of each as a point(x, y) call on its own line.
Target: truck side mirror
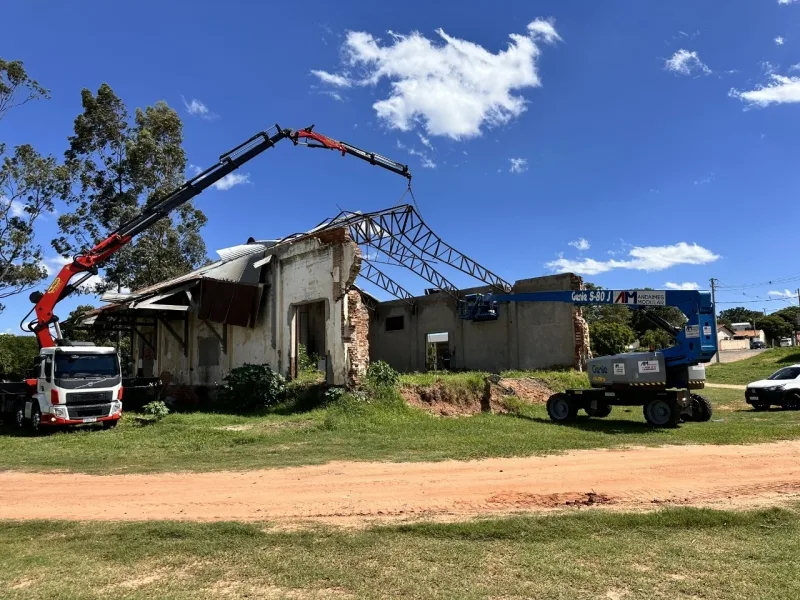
point(48, 369)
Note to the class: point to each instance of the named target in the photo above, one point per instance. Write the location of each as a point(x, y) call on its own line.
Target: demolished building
point(263, 300)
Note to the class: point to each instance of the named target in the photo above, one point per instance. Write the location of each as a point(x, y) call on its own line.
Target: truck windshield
point(86, 365)
point(787, 373)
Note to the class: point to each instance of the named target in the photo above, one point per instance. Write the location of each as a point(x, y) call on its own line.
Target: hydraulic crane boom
point(86, 264)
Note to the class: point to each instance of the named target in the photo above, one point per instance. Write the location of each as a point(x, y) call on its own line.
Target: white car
point(782, 388)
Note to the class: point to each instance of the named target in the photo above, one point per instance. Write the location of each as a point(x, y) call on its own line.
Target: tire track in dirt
point(356, 493)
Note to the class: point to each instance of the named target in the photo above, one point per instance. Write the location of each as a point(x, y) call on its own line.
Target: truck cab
point(74, 384)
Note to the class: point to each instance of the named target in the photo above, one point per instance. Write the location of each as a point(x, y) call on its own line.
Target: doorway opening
point(310, 346)
point(437, 351)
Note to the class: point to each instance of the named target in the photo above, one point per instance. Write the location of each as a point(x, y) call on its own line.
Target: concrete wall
point(525, 336)
point(308, 271)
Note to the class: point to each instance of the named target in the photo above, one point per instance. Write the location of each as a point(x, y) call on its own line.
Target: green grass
point(752, 369)
point(668, 554)
point(389, 431)
point(558, 381)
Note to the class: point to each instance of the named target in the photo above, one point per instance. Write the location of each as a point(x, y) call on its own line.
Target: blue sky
point(660, 139)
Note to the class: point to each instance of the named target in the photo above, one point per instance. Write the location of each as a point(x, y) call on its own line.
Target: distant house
point(724, 333)
point(750, 335)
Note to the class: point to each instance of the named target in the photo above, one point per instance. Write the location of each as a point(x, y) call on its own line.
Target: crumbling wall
point(355, 335)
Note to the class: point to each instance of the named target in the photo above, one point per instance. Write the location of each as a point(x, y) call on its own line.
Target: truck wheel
point(662, 413)
point(602, 410)
point(701, 408)
point(562, 408)
point(36, 417)
point(760, 406)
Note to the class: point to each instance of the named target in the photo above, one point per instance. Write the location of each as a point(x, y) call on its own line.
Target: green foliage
point(16, 86)
point(252, 387)
point(156, 410)
point(610, 338)
point(306, 362)
point(790, 314)
point(121, 166)
point(16, 356)
point(774, 327)
point(381, 375)
point(754, 368)
point(739, 314)
point(656, 339)
point(606, 313)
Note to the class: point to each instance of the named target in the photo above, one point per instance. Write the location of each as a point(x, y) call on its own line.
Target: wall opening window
point(395, 323)
point(437, 351)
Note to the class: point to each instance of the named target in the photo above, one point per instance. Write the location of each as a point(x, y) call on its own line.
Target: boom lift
point(63, 366)
point(663, 382)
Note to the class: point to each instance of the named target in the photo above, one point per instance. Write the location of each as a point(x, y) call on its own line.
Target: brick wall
point(356, 336)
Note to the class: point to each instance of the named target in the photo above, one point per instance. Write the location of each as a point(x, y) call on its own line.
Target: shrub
point(156, 410)
point(306, 361)
point(333, 395)
point(251, 387)
point(608, 338)
point(381, 375)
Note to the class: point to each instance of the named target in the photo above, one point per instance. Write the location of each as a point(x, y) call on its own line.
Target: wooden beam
point(144, 339)
point(223, 339)
point(183, 344)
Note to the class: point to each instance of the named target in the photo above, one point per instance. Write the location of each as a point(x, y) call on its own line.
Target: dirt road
point(353, 493)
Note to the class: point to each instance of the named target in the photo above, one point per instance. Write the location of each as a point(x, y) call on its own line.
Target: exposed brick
point(358, 343)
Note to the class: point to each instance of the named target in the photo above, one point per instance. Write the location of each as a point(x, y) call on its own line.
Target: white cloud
point(453, 88)
point(767, 67)
point(544, 30)
point(332, 78)
point(580, 244)
point(707, 179)
point(642, 258)
point(686, 285)
point(684, 62)
point(196, 108)
point(783, 294)
point(230, 180)
point(518, 165)
point(195, 170)
point(780, 90)
point(424, 159)
point(786, 1)
point(425, 141)
point(335, 95)
point(795, 67)
point(15, 207)
point(779, 41)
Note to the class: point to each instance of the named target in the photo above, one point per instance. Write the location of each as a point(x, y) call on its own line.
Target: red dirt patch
point(497, 396)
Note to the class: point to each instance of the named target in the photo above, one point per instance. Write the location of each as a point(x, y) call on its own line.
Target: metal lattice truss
point(402, 236)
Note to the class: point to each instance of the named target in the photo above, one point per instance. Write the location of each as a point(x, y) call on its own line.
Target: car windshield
point(787, 373)
point(86, 365)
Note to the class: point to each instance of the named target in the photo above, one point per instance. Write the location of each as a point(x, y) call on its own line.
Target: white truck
point(71, 385)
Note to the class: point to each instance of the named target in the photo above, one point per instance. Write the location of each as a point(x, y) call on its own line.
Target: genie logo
point(599, 369)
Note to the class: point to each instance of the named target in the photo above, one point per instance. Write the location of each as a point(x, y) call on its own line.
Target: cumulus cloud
point(231, 180)
point(641, 258)
point(686, 285)
point(580, 244)
point(518, 165)
point(779, 40)
point(786, 1)
point(451, 87)
point(780, 90)
point(684, 62)
point(196, 108)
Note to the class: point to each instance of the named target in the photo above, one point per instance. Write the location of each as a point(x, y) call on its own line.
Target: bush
point(306, 361)
point(381, 375)
point(156, 409)
point(251, 387)
point(610, 338)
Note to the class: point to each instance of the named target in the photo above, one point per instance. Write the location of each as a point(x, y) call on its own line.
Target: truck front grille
point(79, 398)
point(80, 412)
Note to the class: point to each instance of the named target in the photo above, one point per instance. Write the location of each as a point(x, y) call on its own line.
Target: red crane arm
point(86, 264)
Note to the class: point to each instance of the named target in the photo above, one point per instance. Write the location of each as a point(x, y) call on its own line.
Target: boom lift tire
point(562, 408)
point(701, 408)
point(602, 410)
point(662, 412)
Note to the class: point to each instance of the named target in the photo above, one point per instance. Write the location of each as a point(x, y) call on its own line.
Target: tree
point(655, 339)
point(605, 313)
point(121, 167)
point(29, 184)
point(73, 329)
point(790, 314)
point(774, 327)
point(739, 314)
point(610, 338)
point(16, 356)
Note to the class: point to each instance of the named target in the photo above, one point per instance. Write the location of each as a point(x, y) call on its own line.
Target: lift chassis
point(665, 383)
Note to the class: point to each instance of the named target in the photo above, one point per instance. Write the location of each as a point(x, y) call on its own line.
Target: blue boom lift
point(664, 383)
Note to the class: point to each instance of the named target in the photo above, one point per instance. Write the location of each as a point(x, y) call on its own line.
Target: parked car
point(785, 342)
point(782, 388)
point(757, 345)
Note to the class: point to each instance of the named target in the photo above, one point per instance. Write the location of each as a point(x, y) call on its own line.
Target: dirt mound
point(498, 395)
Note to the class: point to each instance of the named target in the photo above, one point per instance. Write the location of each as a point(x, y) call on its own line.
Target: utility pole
point(714, 312)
